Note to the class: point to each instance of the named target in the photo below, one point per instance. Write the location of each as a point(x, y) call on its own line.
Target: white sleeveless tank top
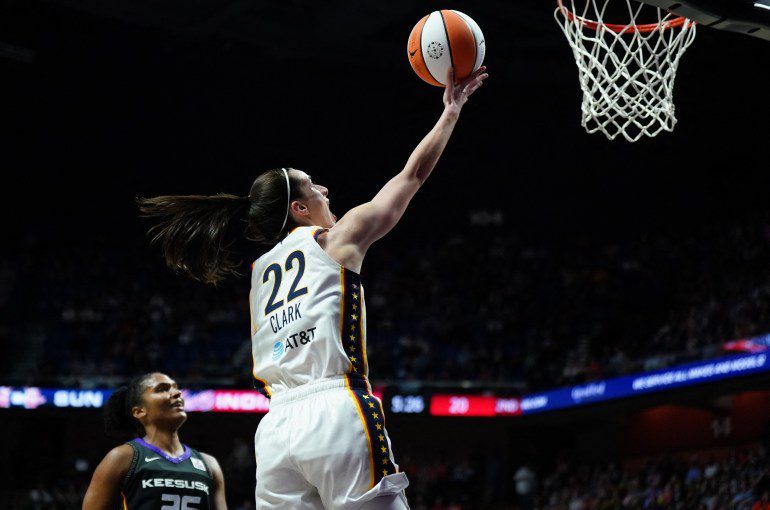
point(308, 318)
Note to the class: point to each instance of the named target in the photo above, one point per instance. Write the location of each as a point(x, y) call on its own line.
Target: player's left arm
point(218, 498)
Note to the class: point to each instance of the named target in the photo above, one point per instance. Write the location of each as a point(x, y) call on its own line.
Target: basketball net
point(626, 71)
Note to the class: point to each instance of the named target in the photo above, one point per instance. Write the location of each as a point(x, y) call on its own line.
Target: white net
point(626, 71)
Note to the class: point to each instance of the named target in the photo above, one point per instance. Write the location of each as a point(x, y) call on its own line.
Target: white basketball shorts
point(324, 445)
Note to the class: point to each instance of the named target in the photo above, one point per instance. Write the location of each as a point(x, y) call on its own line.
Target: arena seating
point(480, 305)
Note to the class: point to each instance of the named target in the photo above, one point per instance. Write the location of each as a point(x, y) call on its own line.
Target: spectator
point(525, 485)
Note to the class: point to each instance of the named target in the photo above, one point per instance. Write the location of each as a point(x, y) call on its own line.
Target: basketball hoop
point(627, 71)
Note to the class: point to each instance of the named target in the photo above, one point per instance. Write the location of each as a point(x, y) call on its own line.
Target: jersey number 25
point(179, 502)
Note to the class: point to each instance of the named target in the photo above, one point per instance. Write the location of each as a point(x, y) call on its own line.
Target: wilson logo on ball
point(444, 39)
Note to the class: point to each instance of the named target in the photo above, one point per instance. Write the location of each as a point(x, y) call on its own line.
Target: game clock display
point(407, 404)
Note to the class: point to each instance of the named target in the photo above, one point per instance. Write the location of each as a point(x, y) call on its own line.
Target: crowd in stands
point(51, 487)
point(739, 480)
point(478, 303)
point(491, 308)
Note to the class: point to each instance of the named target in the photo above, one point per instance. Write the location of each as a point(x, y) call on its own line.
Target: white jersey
point(324, 443)
point(308, 318)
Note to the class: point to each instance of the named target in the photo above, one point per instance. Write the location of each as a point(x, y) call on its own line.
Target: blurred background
point(558, 322)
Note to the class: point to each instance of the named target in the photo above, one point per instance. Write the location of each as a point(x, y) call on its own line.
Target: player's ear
point(298, 209)
point(138, 412)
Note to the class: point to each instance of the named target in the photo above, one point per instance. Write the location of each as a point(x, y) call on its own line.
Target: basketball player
point(323, 444)
point(155, 470)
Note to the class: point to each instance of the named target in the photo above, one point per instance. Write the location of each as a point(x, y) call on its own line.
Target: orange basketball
point(442, 39)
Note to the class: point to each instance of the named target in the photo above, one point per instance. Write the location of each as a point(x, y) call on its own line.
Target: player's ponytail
point(198, 234)
point(118, 419)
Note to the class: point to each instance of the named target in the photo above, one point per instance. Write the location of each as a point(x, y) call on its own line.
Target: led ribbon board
point(603, 390)
point(249, 401)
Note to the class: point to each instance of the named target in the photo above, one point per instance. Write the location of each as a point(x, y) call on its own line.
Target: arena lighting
point(249, 401)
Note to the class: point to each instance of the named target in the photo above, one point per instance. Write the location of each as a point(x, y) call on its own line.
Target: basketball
point(444, 39)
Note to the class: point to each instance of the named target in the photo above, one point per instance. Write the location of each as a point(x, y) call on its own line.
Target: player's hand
point(455, 95)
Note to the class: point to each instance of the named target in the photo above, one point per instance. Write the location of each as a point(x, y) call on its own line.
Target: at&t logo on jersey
point(292, 342)
point(277, 350)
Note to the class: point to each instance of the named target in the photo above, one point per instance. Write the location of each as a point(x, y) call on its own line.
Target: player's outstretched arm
point(349, 239)
point(218, 498)
point(104, 491)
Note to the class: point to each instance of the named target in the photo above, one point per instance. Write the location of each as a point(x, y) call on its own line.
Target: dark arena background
point(558, 322)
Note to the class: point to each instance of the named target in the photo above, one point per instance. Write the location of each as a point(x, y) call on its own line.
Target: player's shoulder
point(120, 453)
point(119, 459)
point(210, 459)
point(336, 243)
point(211, 462)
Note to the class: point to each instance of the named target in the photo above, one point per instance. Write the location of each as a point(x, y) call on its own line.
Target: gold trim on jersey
point(351, 322)
point(342, 315)
point(366, 430)
point(362, 329)
point(372, 417)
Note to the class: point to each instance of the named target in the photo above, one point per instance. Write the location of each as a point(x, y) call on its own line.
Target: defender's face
point(162, 402)
point(315, 199)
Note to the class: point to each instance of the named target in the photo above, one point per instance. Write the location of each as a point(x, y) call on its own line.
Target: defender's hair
point(198, 234)
point(117, 411)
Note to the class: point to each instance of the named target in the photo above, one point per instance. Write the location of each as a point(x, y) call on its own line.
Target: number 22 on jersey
point(277, 274)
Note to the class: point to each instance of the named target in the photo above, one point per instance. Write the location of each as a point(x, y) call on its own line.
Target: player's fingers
point(475, 76)
point(450, 78)
point(476, 82)
point(480, 76)
point(471, 89)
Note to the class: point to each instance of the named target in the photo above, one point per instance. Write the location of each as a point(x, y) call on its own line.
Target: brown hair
point(198, 233)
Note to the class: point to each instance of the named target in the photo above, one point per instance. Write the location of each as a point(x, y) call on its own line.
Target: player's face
point(162, 402)
point(316, 199)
